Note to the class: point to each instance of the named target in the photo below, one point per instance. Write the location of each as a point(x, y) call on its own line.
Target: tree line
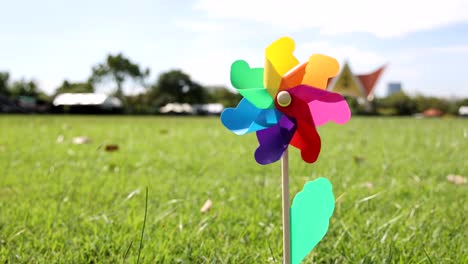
point(114, 73)
point(176, 86)
point(402, 104)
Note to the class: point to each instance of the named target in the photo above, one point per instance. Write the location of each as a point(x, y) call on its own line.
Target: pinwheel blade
point(246, 118)
point(311, 211)
point(308, 141)
point(293, 78)
point(274, 140)
point(279, 59)
point(319, 70)
point(330, 107)
point(249, 83)
point(316, 106)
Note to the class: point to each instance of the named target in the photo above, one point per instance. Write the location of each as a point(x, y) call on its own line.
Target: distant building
point(23, 104)
point(463, 111)
point(393, 87)
point(27, 102)
point(87, 103)
point(196, 109)
point(433, 112)
point(208, 109)
point(178, 109)
point(7, 105)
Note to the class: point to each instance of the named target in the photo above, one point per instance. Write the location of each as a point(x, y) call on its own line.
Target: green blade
point(249, 82)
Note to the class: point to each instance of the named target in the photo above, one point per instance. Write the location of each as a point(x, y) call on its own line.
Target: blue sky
point(425, 43)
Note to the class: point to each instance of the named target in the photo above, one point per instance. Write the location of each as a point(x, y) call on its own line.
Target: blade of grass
point(127, 251)
point(427, 255)
point(143, 228)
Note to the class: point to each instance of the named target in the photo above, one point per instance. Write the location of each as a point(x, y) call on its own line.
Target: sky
point(424, 43)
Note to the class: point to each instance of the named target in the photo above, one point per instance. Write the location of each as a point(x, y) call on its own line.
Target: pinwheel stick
point(286, 209)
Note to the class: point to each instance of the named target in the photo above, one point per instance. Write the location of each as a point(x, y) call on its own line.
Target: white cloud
point(198, 26)
point(361, 59)
point(451, 49)
point(384, 18)
point(211, 64)
point(49, 85)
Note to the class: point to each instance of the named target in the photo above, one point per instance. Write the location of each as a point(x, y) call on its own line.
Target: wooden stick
point(286, 208)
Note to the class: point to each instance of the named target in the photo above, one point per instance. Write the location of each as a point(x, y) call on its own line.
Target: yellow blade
point(319, 69)
point(279, 59)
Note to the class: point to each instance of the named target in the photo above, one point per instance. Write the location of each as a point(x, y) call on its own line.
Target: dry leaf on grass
point(457, 179)
point(111, 147)
point(81, 140)
point(206, 206)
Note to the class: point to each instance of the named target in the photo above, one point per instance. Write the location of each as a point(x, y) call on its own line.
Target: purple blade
point(274, 140)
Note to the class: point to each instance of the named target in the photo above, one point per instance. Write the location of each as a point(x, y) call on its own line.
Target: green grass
point(66, 203)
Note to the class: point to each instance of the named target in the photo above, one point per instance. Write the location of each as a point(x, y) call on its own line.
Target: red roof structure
point(368, 81)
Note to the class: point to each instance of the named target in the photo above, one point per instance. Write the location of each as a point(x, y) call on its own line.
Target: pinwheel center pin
point(283, 98)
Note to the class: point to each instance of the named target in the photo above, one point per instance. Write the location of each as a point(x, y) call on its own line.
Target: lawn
point(77, 203)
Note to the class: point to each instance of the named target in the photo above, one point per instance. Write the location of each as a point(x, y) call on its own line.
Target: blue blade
point(247, 118)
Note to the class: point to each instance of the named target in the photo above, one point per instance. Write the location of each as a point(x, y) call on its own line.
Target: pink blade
point(316, 106)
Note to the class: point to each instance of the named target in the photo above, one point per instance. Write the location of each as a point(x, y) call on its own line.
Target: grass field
point(67, 203)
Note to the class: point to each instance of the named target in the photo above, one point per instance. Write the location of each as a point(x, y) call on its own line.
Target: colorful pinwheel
point(283, 103)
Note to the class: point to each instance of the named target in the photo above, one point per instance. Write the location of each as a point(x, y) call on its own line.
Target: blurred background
point(125, 183)
point(159, 57)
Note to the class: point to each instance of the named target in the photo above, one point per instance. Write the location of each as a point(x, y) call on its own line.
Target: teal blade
point(310, 216)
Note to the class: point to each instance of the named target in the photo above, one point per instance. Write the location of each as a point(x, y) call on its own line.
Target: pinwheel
point(284, 103)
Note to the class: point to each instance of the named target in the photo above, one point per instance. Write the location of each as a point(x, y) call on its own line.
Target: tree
point(455, 106)
point(4, 78)
point(353, 104)
point(118, 69)
point(425, 102)
point(71, 87)
point(24, 88)
point(177, 86)
point(222, 95)
point(140, 104)
point(401, 103)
